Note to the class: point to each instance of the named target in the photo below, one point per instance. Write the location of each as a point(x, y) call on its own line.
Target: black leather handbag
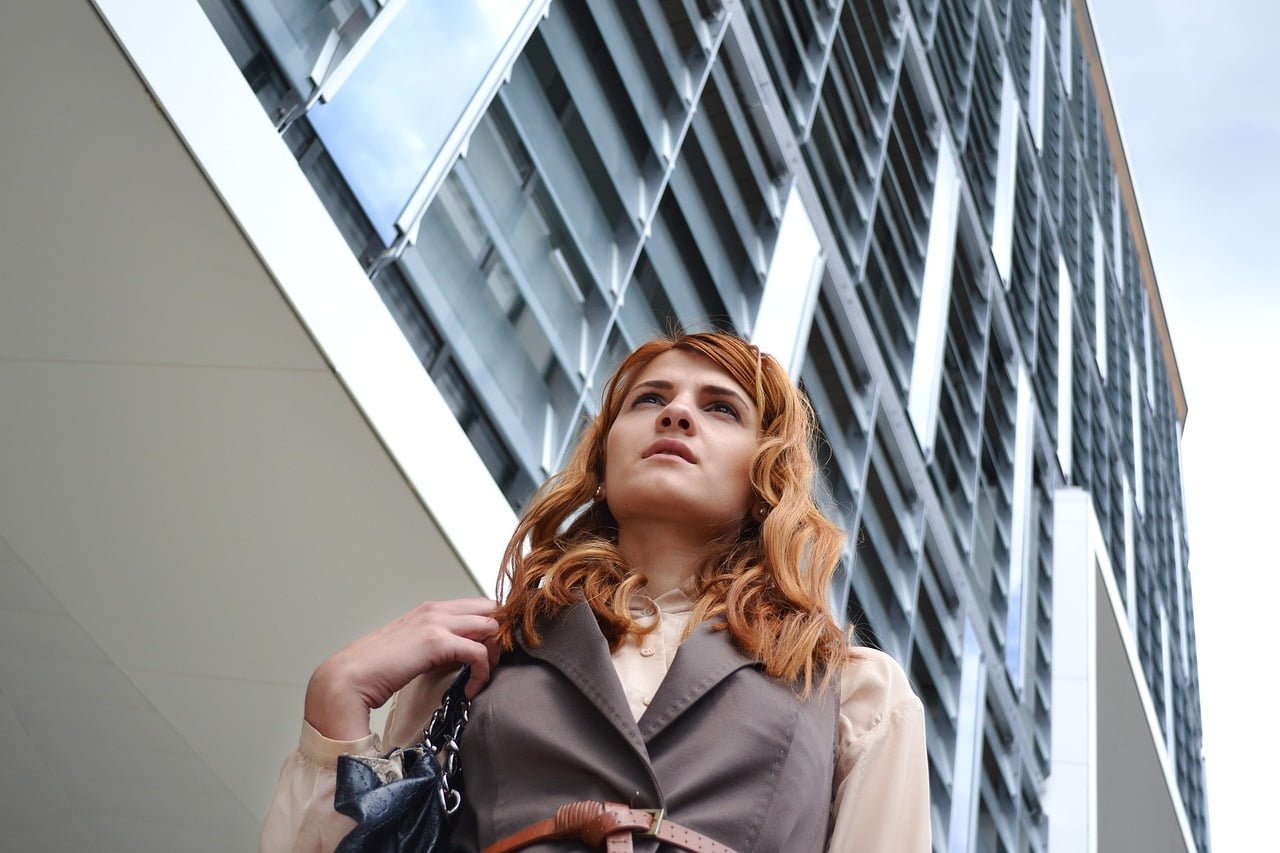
point(404, 801)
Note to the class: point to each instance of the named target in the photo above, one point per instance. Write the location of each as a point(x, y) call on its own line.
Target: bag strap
point(610, 827)
point(442, 737)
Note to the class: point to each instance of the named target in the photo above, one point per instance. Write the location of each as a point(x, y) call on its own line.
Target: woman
point(665, 641)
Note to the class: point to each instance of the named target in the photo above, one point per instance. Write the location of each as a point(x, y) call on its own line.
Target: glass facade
point(980, 332)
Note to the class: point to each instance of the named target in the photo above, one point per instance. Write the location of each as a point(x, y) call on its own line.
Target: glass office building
point(922, 207)
point(936, 189)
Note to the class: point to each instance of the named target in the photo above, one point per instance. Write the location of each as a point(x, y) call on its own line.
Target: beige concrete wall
point(201, 495)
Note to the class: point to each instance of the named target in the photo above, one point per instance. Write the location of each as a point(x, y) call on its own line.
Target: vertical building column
point(1130, 561)
point(782, 323)
point(1135, 411)
point(1112, 779)
point(1147, 352)
point(935, 299)
point(1066, 366)
point(1175, 525)
point(1117, 234)
point(1020, 535)
point(1071, 792)
point(1099, 296)
point(1166, 687)
point(1006, 177)
point(1035, 108)
point(968, 763)
point(1065, 29)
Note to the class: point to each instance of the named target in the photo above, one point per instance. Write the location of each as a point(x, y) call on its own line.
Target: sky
point(1196, 87)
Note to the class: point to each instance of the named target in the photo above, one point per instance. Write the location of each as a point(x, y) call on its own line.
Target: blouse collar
point(672, 601)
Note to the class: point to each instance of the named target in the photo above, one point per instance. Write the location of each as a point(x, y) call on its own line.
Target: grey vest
point(728, 751)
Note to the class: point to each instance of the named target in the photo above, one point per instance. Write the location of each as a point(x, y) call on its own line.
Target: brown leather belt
point(610, 827)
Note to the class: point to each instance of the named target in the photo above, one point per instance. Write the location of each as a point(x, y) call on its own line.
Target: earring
point(761, 511)
point(599, 493)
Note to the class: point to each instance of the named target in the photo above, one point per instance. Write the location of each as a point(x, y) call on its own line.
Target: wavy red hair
point(768, 581)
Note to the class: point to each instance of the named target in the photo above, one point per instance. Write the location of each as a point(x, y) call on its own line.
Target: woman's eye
point(647, 397)
point(724, 408)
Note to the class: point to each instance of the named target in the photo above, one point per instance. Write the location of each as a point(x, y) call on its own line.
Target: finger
point(473, 627)
point(474, 654)
point(474, 605)
point(480, 669)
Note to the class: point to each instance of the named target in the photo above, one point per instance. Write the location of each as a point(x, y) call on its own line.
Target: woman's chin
point(670, 510)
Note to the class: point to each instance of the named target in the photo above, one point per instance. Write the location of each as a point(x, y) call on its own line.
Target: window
point(388, 124)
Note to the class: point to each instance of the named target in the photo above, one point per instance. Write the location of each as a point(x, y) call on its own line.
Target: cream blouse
point(880, 796)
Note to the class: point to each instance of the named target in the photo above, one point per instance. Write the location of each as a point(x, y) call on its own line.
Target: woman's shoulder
point(873, 685)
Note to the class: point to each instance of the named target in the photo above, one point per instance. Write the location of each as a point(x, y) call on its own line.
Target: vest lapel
point(703, 661)
point(573, 644)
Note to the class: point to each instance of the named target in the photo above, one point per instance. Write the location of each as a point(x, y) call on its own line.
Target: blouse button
point(647, 652)
point(646, 700)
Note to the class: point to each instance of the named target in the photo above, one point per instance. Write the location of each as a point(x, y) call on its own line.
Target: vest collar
point(573, 644)
point(705, 659)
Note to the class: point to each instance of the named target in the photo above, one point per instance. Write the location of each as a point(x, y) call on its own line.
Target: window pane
point(389, 121)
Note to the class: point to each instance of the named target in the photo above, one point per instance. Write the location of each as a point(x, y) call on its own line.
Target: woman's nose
point(676, 415)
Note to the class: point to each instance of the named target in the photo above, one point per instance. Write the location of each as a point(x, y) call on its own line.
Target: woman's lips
point(671, 447)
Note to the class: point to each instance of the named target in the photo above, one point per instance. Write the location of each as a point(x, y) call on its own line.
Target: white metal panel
point(1104, 724)
point(1006, 177)
point(935, 300)
point(1035, 109)
point(1020, 536)
point(1066, 366)
point(1099, 296)
point(790, 289)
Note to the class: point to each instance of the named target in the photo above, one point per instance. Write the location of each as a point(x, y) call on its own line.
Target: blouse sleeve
point(880, 798)
point(301, 818)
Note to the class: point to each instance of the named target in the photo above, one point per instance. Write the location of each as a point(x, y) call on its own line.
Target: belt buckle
point(655, 825)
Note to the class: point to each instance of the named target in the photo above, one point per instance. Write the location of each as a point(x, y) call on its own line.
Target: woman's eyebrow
point(706, 390)
point(722, 391)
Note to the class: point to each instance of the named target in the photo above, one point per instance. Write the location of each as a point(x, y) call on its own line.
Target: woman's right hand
point(363, 676)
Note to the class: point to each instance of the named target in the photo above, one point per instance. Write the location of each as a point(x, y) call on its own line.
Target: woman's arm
point(413, 658)
point(880, 799)
point(434, 635)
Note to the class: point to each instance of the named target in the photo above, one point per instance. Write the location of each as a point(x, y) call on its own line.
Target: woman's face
point(681, 446)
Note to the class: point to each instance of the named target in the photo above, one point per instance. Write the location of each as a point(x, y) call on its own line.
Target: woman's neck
point(666, 553)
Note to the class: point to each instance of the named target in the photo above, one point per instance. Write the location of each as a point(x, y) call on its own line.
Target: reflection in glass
point(390, 119)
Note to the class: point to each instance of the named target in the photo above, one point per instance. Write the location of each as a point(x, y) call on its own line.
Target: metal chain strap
point(442, 736)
